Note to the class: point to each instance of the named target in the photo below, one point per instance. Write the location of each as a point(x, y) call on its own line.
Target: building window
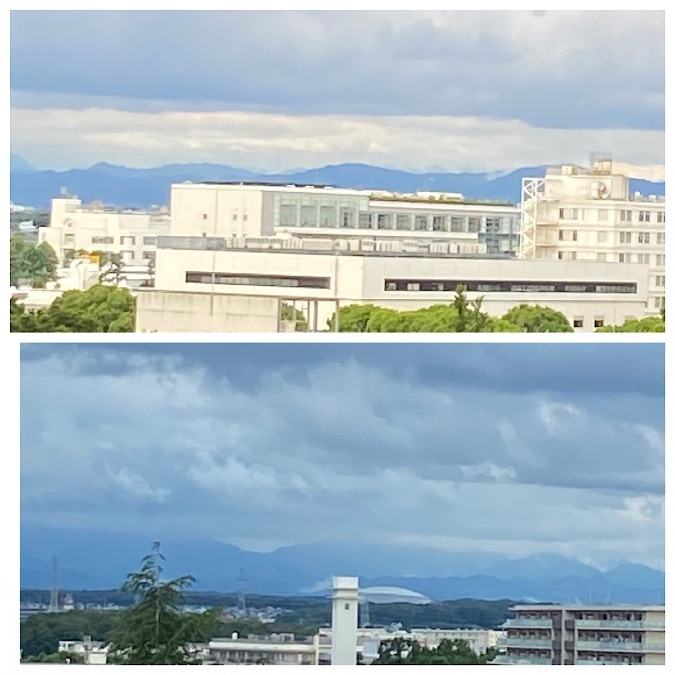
point(403, 222)
point(626, 216)
point(660, 216)
point(660, 281)
point(624, 237)
point(256, 280)
point(644, 216)
point(568, 214)
point(69, 238)
point(234, 216)
point(149, 255)
point(346, 218)
point(245, 216)
point(384, 221)
point(624, 257)
point(602, 237)
point(578, 322)
point(497, 286)
point(149, 241)
point(660, 260)
point(602, 215)
point(457, 224)
point(288, 215)
point(438, 224)
point(599, 322)
point(421, 223)
point(346, 605)
point(204, 216)
point(474, 224)
point(643, 258)
point(661, 238)
point(364, 221)
point(102, 240)
point(643, 237)
point(659, 303)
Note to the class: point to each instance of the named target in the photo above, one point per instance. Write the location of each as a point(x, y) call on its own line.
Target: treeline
point(467, 316)
point(30, 263)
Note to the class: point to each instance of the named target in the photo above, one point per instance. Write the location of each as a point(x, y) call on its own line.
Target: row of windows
point(124, 240)
point(624, 237)
point(628, 216)
point(508, 286)
point(655, 259)
point(290, 216)
point(256, 280)
point(625, 215)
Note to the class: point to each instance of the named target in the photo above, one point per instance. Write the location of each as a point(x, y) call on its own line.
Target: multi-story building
point(132, 235)
point(580, 635)
point(575, 213)
point(218, 283)
point(321, 211)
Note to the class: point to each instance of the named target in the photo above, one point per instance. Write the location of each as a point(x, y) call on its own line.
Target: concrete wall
point(168, 312)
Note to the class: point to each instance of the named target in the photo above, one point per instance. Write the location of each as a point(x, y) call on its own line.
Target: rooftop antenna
point(54, 597)
point(242, 579)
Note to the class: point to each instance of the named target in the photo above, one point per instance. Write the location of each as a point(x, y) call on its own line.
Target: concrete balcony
point(528, 623)
point(599, 662)
point(532, 660)
point(602, 646)
point(599, 624)
point(525, 642)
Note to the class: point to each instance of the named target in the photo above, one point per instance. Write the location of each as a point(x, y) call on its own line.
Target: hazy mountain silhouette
point(95, 560)
point(142, 188)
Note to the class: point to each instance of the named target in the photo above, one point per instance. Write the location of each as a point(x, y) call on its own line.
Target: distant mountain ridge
point(101, 561)
point(141, 188)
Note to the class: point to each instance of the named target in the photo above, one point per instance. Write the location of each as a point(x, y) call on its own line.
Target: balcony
point(599, 662)
point(600, 624)
point(528, 623)
point(525, 642)
point(603, 646)
point(512, 660)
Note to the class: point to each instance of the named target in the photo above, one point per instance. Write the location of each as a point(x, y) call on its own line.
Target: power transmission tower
point(54, 597)
point(242, 579)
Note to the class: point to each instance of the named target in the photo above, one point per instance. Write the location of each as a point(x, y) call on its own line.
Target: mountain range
point(142, 188)
point(93, 561)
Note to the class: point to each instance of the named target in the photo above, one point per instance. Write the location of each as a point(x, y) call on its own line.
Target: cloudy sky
point(508, 448)
point(417, 90)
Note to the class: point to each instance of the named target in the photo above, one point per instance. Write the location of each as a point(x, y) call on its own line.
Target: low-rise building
point(224, 284)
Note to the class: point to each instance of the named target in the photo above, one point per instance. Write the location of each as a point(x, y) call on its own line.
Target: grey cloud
point(548, 70)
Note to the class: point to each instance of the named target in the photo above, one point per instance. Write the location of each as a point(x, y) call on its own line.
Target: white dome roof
point(390, 594)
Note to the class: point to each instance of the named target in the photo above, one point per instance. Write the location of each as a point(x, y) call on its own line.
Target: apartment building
point(575, 213)
point(584, 635)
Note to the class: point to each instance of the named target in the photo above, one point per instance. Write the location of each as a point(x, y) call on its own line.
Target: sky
point(506, 448)
point(280, 90)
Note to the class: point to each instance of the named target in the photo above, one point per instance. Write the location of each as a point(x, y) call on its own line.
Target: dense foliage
point(100, 309)
point(404, 651)
point(460, 316)
point(651, 324)
point(40, 633)
point(155, 631)
point(30, 263)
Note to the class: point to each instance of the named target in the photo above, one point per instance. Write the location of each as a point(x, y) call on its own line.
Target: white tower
point(345, 616)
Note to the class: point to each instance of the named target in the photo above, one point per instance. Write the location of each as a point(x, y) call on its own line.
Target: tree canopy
point(30, 263)
point(154, 630)
point(460, 316)
point(405, 651)
point(650, 324)
point(100, 309)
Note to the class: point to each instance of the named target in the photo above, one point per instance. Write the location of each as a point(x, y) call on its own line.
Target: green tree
point(404, 651)
point(291, 313)
point(30, 263)
point(154, 630)
point(100, 309)
point(650, 324)
point(538, 319)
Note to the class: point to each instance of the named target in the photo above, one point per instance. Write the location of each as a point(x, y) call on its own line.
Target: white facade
point(260, 210)
point(344, 621)
point(590, 214)
point(590, 293)
point(131, 234)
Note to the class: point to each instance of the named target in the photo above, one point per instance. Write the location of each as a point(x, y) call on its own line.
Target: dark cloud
point(548, 70)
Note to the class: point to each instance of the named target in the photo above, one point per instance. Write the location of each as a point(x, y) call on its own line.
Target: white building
point(589, 214)
point(225, 284)
point(131, 234)
point(316, 211)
